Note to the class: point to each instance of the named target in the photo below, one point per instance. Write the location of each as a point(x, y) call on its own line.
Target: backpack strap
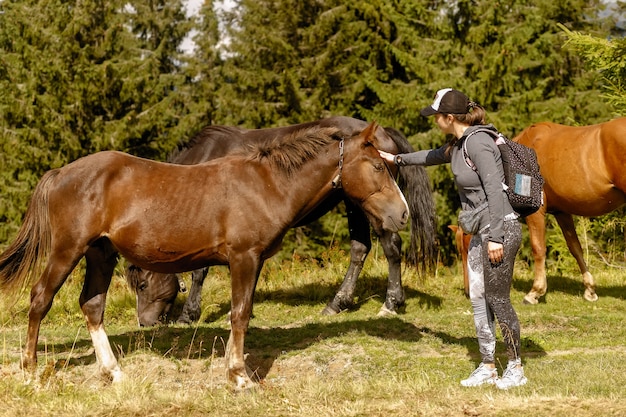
point(497, 137)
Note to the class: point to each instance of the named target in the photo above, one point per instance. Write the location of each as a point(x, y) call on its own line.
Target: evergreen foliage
point(80, 77)
point(607, 57)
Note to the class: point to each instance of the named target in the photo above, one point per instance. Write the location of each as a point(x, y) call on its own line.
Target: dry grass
point(353, 364)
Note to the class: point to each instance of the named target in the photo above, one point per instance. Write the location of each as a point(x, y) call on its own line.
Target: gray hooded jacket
point(474, 186)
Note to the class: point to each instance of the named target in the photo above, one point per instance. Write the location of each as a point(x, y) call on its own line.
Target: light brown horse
point(168, 218)
point(462, 242)
point(583, 169)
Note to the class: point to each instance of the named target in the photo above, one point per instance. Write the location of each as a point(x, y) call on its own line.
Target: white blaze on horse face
point(104, 354)
point(402, 195)
point(397, 187)
point(381, 201)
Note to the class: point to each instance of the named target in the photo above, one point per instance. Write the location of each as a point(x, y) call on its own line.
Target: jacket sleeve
point(425, 158)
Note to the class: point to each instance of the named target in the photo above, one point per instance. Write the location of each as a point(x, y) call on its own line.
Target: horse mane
point(132, 277)
point(288, 153)
point(210, 131)
point(287, 149)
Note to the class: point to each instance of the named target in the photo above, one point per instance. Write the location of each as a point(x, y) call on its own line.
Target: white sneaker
point(513, 376)
point(481, 375)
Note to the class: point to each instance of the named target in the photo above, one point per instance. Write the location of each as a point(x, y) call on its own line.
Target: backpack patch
point(523, 182)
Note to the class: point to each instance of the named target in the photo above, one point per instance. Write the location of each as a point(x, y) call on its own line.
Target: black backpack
point(523, 181)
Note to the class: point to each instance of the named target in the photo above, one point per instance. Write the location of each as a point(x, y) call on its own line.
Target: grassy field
point(352, 364)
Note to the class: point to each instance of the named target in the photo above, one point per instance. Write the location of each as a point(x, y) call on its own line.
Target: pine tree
point(291, 61)
point(78, 77)
point(203, 69)
point(607, 57)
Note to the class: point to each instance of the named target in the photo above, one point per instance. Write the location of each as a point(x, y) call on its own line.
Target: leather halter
point(336, 182)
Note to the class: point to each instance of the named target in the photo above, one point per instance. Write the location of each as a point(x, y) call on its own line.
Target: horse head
point(155, 294)
point(367, 180)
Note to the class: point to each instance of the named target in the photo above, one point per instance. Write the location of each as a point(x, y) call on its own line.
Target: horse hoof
point(386, 312)
point(329, 311)
point(117, 376)
point(590, 296)
point(245, 386)
point(531, 299)
point(242, 382)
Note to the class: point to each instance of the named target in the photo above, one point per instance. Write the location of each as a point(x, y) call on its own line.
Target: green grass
point(352, 364)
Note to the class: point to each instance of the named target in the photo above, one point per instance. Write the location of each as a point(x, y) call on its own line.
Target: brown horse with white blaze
point(583, 169)
point(156, 292)
point(231, 211)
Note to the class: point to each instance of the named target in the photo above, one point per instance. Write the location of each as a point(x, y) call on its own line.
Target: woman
point(476, 164)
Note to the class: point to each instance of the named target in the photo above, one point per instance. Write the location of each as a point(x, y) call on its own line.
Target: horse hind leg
point(344, 298)
point(566, 222)
point(395, 299)
point(101, 260)
point(42, 294)
point(191, 309)
point(360, 246)
point(536, 223)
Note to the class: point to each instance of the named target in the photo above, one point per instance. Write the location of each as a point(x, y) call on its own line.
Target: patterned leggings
point(490, 287)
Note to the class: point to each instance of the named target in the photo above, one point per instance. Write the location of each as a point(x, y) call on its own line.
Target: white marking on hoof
point(385, 312)
point(531, 299)
point(590, 295)
point(117, 376)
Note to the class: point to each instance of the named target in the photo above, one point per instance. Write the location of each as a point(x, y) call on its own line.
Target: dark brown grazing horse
point(171, 218)
point(156, 292)
point(584, 174)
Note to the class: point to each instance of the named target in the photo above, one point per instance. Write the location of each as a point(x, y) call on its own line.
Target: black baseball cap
point(449, 101)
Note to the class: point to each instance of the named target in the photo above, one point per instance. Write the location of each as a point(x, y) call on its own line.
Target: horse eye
point(379, 167)
point(143, 286)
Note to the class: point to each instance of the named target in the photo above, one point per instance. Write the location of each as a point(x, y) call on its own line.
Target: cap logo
point(439, 97)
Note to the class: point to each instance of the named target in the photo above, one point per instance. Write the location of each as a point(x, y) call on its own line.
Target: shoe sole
point(522, 382)
point(487, 382)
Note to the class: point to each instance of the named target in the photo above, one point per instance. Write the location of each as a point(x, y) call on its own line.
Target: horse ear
point(369, 133)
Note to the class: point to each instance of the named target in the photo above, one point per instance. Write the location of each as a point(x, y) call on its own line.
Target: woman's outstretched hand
point(389, 157)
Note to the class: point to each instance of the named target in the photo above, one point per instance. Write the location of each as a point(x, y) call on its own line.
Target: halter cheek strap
point(336, 182)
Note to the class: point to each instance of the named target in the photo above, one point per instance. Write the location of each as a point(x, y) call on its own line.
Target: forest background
point(78, 77)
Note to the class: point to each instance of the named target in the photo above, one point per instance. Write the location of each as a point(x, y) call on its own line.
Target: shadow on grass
point(312, 294)
point(265, 345)
point(262, 344)
point(570, 286)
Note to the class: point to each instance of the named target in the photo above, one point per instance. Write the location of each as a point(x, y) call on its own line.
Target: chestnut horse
point(156, 293)
point(169, 218)
point(462, 242)
point(583, 169)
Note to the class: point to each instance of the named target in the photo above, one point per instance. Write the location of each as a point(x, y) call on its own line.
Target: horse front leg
point(192, 308)
point(244, 270)
point(392, 247)
point(536, 223)
point(360, 246)
point(462, 241)
point(566, 222)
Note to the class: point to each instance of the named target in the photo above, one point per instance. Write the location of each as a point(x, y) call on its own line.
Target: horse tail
point(414, 182)
point(24, 258)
